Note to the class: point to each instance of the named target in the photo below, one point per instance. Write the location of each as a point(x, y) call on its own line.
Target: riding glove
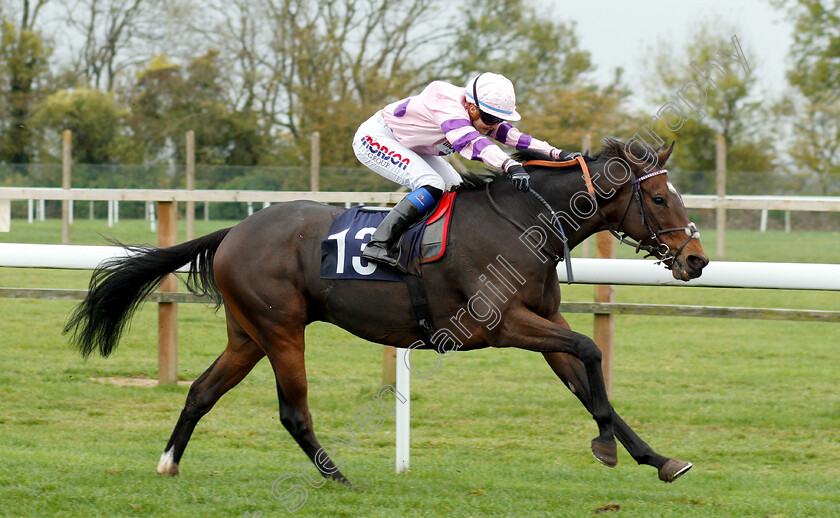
point(518, 176)
point(562, 156)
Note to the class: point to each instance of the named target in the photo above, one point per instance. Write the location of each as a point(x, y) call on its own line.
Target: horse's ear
point(665, 155)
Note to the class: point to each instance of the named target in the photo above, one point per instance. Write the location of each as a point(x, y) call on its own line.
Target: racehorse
point(265, 272)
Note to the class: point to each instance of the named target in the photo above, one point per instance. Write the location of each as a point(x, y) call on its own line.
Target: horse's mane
point(613, 148)
point(478, 181)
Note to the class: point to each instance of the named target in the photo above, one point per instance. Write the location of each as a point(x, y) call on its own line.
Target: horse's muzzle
point(685, 268)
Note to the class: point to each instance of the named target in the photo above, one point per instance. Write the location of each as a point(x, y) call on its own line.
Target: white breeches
point(379, 150)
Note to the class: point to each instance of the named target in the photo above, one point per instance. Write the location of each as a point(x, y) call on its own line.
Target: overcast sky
point(621, 33)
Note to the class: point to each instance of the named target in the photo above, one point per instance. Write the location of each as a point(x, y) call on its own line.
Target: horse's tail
point(119, 285)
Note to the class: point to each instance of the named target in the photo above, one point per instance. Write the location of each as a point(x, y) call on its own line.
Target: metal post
point(787, 221)
point(605, 323)
point(190, 184)
point(168, 311)
point(66, 138)
point(762, 227)
point(720, 212)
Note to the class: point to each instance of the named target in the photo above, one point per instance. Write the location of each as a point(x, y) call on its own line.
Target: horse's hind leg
point(573, 374)
point(240, 356)
point(287, 359)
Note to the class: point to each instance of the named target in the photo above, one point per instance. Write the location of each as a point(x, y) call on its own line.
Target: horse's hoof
point(606, 453)
point(673, 469)
point(343, 481)
point(167, 465)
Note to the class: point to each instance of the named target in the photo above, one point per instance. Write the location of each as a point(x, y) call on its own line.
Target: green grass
point(753, 404)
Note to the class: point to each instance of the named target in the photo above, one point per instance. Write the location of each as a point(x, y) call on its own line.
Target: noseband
point(658, 249)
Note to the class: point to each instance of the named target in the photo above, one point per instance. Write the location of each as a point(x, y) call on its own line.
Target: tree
point(813, 109)
point(564, 114)
point(23, 81)
point(95, 121)
point(168, 100)
point(511, 38)
point(706, 92)
point(112, 33)
point(323, 65)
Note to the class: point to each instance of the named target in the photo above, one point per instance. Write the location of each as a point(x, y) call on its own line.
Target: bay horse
point(265, 273)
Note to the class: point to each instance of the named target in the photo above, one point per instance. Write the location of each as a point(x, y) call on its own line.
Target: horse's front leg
point(573, 375)
point(525, 329)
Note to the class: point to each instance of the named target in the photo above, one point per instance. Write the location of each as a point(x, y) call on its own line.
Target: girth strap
point(420, 305)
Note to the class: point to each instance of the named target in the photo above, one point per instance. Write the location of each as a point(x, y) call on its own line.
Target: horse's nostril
point(698, 261)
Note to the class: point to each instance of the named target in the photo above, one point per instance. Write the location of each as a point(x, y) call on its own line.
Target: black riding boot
point(385, 240)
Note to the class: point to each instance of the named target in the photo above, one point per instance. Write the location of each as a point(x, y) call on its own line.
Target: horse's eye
point(659, 200)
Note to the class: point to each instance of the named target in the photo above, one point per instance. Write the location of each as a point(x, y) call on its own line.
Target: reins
point(658, 249)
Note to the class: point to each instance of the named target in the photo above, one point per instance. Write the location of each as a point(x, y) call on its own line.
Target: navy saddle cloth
point(341, 250)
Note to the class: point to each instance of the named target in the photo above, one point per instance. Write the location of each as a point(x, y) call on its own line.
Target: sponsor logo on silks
point(383, 153)
point(445, 148)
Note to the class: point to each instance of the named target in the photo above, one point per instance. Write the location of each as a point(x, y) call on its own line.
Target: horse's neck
point(568, 200)
point(531, 220)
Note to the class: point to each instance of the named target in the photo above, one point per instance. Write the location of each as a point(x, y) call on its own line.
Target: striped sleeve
point(510, 136)
point(471, 144)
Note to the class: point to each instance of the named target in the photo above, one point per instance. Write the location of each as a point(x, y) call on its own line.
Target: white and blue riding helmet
point(495, 95)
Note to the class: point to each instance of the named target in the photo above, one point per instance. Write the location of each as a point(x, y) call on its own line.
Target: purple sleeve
point(453, 124)
point(524, 142)
point(479, 146)
point(460, 143)
point(502, 132)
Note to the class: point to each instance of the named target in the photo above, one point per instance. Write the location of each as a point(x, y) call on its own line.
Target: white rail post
point(5, 215)
point(30, 211)
point(762, 227)
point(152, 218)
point(66, 206)
point(403, 432)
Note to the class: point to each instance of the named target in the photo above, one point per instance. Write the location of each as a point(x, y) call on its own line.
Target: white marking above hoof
point(167, 464)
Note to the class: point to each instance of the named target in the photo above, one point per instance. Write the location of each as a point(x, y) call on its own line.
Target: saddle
point(423, 243)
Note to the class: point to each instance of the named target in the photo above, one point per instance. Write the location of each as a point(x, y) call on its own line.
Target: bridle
point(657, 249)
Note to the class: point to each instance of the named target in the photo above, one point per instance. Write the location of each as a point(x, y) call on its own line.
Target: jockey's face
point(475, 116)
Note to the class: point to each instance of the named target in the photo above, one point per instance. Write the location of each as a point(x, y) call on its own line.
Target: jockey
point(405, 142)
